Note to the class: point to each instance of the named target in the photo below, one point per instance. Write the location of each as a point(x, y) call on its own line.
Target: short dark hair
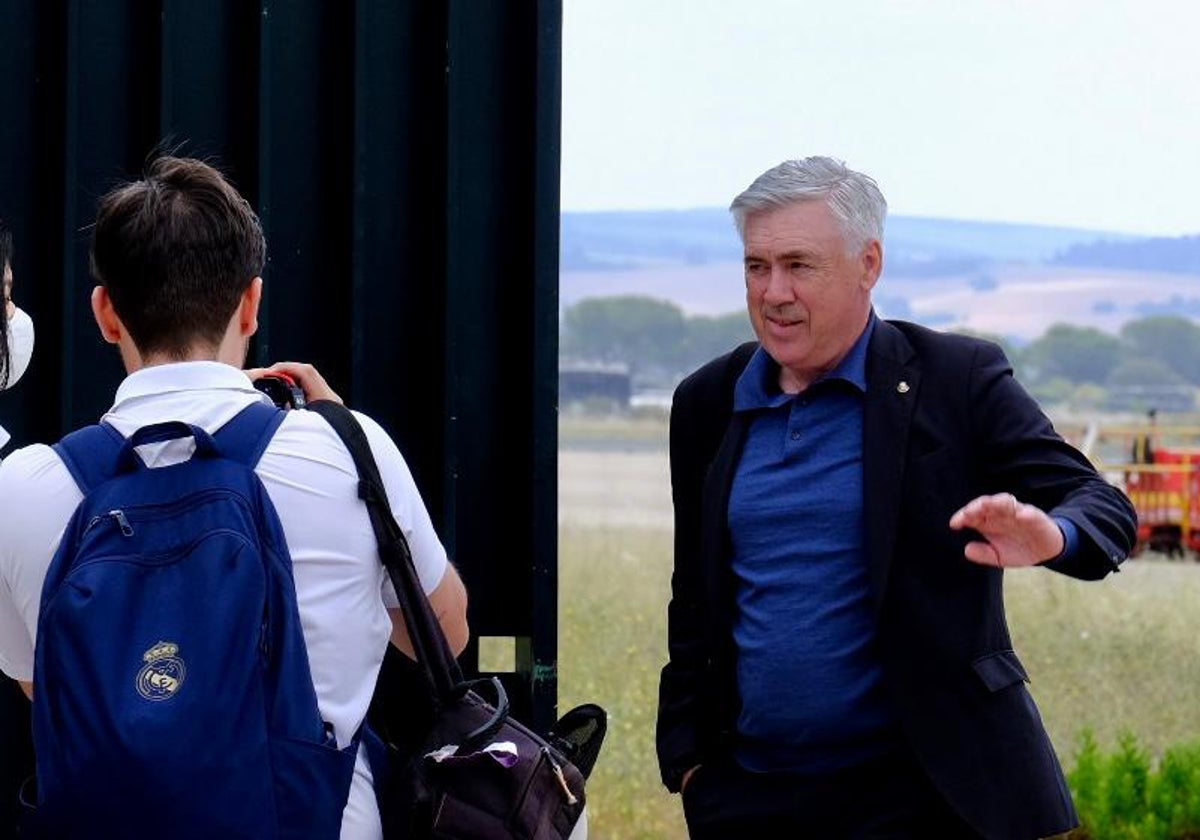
point(6, 253)
point(6, 244)
point(176, 251)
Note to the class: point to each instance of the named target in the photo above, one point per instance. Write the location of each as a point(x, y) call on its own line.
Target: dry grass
point(613, 590)
point(1121, 654)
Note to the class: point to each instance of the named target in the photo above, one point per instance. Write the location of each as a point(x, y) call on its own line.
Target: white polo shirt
point(341, 587)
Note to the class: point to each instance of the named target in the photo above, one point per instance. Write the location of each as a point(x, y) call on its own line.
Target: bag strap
point(429, 642)
point(92, 453)
point(245, 438)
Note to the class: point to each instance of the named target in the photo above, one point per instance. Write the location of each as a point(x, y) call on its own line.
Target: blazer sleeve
point(1020, 453)
point(696, 684)
point(681, 687)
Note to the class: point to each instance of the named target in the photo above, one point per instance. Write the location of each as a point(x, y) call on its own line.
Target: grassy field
point(612, 643)
point(1122, 654)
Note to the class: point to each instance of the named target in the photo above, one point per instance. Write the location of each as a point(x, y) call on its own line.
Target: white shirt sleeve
point(429, 556)
point(37, 498)
point(16, 649)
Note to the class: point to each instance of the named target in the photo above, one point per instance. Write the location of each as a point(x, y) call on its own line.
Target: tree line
point(1071, 363)
point(653, 337)
point(1092, 368)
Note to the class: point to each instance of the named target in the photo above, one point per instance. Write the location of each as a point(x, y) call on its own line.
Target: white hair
point(852, 197)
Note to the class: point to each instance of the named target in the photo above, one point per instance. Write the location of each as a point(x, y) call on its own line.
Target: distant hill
point(633, 239)
point(1178, 255)
point(916, 246)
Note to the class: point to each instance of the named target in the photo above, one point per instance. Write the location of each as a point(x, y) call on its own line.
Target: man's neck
point(229, 352)
point(157, 360)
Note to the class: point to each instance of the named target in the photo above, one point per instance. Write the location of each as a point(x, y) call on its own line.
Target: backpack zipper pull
point(264, 637)
point(562, 780)
point(119, 515)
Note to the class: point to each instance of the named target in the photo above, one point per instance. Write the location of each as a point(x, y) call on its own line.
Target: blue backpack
point(172, 693)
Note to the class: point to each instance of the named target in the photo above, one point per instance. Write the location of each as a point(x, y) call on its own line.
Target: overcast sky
point(1070, 112)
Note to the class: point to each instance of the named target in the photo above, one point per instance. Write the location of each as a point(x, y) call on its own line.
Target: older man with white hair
point(848, 492)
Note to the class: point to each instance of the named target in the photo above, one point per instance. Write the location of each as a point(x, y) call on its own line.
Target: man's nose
point(779, 286)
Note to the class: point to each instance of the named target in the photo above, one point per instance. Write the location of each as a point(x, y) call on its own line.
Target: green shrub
point(1124, 795)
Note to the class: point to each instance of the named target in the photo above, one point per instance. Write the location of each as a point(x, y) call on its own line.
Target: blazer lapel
point(893, 387)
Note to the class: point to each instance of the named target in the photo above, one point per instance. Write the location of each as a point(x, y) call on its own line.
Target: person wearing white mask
point(16, 328)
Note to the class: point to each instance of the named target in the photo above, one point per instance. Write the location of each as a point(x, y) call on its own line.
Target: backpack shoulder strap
point(90, 454)
point(246, 436)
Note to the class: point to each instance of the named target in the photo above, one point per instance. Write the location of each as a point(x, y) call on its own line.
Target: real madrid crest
point(163, 674)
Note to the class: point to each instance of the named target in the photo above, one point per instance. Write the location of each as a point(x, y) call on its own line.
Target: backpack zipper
point(118, 515)
point(572, 799)
point(162, 510)
point(264, 635)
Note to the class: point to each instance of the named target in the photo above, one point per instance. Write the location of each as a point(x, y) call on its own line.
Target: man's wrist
point(1070, 535)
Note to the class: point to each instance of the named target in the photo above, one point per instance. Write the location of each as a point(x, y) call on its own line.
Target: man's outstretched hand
point(1015, 534)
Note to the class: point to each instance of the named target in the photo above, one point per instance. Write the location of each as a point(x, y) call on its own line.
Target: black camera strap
point(429, 642)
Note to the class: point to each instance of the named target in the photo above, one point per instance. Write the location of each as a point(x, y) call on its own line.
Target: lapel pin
point(902, 387)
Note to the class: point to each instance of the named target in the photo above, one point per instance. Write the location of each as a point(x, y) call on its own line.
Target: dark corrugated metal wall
point(404, 159)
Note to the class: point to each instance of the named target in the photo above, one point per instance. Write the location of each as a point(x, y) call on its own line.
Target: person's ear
point(111, 328)
point(248, 308)
point(872, 263)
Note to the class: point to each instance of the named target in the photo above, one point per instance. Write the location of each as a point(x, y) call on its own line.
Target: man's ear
point(872, 264)
point(111, 328)
point(248, 308)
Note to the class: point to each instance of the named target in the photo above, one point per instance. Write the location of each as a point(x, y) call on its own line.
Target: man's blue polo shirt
point(809, 674)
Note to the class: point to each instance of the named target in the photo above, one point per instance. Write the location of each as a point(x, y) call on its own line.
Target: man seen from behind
point(177, 257)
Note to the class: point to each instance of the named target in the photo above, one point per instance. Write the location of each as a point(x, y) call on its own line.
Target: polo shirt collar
point(758, 386)
point(182, 376)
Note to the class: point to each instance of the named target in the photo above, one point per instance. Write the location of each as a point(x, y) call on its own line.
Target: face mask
point(20, 346)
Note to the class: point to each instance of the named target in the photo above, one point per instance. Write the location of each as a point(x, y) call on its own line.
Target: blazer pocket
point(1000, 669)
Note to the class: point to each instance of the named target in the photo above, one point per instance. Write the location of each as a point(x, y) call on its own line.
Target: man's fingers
point(986, 510)
point(306, 376)
point(983, 554)
point(687, 777)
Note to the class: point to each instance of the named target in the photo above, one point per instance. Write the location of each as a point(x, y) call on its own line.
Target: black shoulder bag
point(459, 767)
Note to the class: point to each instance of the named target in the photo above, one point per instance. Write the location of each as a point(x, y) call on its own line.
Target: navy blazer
point(944, 422)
